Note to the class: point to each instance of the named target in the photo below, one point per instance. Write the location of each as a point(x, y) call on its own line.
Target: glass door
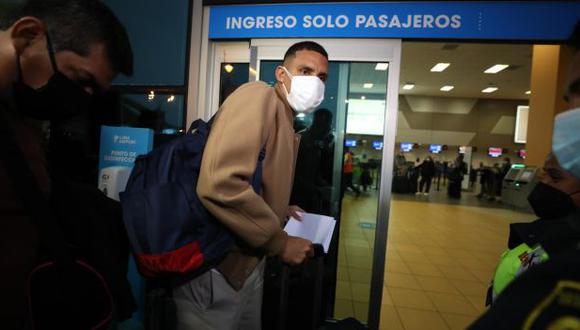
point(228, 69)
point(340, 161)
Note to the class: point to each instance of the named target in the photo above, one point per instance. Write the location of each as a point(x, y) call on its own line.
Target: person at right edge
point(553, 199)
point(545, 255)
point(254, 117)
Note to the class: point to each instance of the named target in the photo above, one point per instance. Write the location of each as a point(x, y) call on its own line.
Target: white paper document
point(314, 227)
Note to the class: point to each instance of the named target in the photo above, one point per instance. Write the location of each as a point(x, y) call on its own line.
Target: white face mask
point(566, 140)
point(307, 92)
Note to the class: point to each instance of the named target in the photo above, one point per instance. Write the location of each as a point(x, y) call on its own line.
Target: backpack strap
point(200, 124)
point(257, 177)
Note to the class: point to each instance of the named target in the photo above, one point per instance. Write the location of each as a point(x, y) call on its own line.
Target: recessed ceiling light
point(363, 97)
point(440, 67)
point(447, 88)
point(368, 85)
point(529, 92)
point(381, 66)
point(496, 68)
point(409, 86)
point(229, 68)
point(489, 90)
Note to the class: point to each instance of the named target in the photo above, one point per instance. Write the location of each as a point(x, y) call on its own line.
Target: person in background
point(365, 176)
point(473, 178)
point(484, 178)
point(438, 170)
point(348, 170)
point(427, 169)
point(456, 174)
point(314, 165)
point(505, 167)
point(497, 182)
point(414, 176)
point(400, 160)
point(445, 172)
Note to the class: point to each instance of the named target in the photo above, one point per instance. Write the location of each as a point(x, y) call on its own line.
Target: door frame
point(358, 50)
point(361, 50)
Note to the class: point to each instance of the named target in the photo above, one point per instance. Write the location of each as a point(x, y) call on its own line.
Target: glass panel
point(161, 112)
point(343, 182)
point(363, 145)
point(159, 36)
point(232, 76)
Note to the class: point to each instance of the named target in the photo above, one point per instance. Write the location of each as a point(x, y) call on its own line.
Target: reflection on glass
point(164, 41)
point(337, 174)
point(313, 179)
point(163, 113)
point(232, 76)
point(365, 105)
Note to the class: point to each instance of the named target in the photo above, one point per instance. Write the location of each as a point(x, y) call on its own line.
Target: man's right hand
point(296, 250)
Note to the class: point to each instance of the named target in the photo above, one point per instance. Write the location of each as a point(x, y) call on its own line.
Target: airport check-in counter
point(508, 185)
point(524, 183)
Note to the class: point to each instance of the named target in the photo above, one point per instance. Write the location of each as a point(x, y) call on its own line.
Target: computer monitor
point(527, 176)
point(495, 152)
point(406, 146)
point(378, 145)
point(435, 148)
point(350, 143)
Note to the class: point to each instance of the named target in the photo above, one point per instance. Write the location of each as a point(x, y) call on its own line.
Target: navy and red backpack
point(170, 231)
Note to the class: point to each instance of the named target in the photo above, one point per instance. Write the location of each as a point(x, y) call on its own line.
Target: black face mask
point(60, 98)
point(551, 203)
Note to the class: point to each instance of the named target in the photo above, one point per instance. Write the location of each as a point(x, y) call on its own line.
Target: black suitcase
point(293, 294)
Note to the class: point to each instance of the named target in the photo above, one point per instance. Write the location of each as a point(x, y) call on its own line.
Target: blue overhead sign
point(553, 20)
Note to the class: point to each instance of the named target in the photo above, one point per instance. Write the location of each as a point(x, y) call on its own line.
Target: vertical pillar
point(549, 72)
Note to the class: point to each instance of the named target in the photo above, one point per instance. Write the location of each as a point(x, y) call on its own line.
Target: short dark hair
point(75, 25)
point(305, 45)
point(321, 115)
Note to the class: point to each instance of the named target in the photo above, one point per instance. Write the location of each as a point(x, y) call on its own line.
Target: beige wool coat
point(255, 115)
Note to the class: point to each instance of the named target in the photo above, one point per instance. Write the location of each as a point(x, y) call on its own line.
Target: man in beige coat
point(254, 116)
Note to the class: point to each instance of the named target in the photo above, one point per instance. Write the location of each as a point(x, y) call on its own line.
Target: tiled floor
point(440, 258)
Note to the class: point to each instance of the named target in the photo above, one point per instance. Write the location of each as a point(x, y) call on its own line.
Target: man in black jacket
point(427, 173)
point(456, 174)
point(54, 56)
point(313, 176)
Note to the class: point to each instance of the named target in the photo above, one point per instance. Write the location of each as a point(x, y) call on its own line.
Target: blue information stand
point(118, 150)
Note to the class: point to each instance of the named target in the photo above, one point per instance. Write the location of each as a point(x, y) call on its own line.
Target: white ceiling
point(468, 61)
